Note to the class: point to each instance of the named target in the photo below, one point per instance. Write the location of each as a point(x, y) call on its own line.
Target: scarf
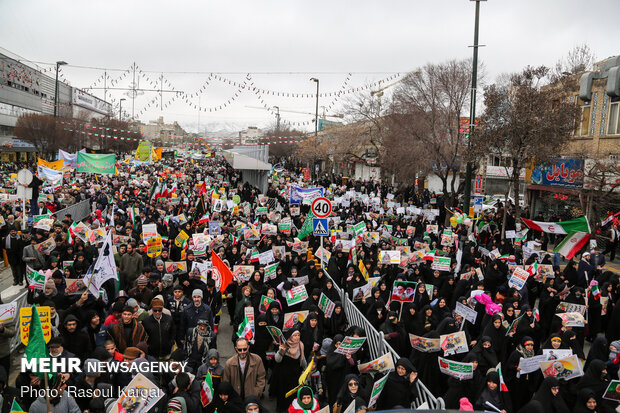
point(524, 352)
point(294, 349)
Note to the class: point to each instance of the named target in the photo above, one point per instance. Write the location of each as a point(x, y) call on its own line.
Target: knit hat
point(197, 293)
point(159, 262)
point(143, 346)
point(132, 302)
point(142, 280)
point(50, 284)
point(91, 367)
point(174, 406)
point(157, 303)
point(131, 353)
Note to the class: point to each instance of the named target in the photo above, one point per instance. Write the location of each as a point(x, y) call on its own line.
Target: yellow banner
point(143, 153)
point(25, 314)
point(181, 239)
point(56, 165)
point(157, 154)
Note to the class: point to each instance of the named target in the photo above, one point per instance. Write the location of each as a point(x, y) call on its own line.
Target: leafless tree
point(525, 121)
point(40, 131)
point(579, 59)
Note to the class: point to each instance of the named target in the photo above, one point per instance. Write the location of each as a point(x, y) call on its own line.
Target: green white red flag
point(206, 392)
point(572, 243)
point(562, 227)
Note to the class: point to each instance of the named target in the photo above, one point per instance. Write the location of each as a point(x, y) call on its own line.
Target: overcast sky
point(326, 39)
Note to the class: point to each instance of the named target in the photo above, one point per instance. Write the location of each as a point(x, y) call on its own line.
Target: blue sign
point(319, 227)
point(214, 228)
point(477, 204)
point(559, 172)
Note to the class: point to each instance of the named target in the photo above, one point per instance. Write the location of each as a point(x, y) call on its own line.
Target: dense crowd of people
point(167, 305)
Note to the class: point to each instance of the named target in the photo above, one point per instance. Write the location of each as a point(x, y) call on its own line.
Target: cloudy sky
point(281, 44)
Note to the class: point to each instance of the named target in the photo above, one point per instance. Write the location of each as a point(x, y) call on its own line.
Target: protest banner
point(359, 293)
point(25, 315)
point(349, 345)
point(423, 344)
point(389, 257)
point(45, 224)
point(441, 263)
point(96, 163)
point(432, 228)
point(303, 280)
point(270, 271)
point(571, 308)
point(556, 354)
point(572, 319)
point(403, 291)
point(613, 391)
point(242, 273)
point(140, 396)
point(276, 334)
point(290, 319)
point(75, 286)
point(149, 231)
point(453, 343)
point(377, 388)
point(565, 369)
point(512, 328)
point(466, 312)
point(518, 278)
point(296, 295)
point(531, 364)
point(278, 252)
point(46, 247)
point(264, 303)
point(8, 312)
point(545, 270)
point(96, 236)
point(176, 267)
point(266, 257)
point(380, 365)
point(326, 305)
point(461, 371)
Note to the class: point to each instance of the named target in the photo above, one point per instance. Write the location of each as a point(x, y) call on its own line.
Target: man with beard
point(245, 371)
point(160, 330)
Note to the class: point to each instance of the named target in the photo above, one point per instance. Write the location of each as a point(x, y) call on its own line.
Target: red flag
point(220, 272)
point(203, 188)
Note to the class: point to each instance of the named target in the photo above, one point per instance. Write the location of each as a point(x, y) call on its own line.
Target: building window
point(613, 126)
point(583, 126)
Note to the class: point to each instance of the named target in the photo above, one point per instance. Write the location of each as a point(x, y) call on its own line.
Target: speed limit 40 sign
point(321, 207)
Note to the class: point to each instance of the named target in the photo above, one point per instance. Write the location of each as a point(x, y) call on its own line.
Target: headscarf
point(294, 348)
point(523, 351)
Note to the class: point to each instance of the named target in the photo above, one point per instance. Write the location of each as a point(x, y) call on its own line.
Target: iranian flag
point(206, 392)
point(562, 227)
point(502, 384)
point(595, 291)
point(606, 220)
point(572, 243)
point(204, 219)
point(537, 314)
point(245, 329)
point(429, 256)
point(533, 269)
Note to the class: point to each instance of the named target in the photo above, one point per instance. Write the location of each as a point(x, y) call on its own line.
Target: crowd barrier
point(377, 346)
point(21, 302)
point(77, 211)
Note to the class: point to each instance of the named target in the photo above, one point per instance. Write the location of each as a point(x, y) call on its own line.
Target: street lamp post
point(58, 64)
point(316, 111)
point(120, 110)
point(472, 108)
point(277, 108)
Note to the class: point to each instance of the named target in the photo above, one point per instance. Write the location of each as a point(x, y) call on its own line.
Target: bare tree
point(423, 123)
point(525, 121)
point(40, 131)
point(579, 59)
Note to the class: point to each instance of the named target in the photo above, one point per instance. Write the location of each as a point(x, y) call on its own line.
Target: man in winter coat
point(128, 332)
point(245, 371)
point(197, 311)
point(161, 331)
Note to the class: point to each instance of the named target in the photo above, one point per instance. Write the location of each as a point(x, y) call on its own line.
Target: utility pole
point(277, 108)
point(316, 112)
point(472, 108)
point(58, 64)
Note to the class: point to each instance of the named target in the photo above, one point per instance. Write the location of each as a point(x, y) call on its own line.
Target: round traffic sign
point(24, 177)
point(321, 207)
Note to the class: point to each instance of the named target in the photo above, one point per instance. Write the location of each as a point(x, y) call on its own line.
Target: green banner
point(96, 163)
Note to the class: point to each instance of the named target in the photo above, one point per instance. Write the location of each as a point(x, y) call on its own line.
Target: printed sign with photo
point(403, 291)
point(176, 267)
point(566, 368)
point(423, 344)
point(379, 365)
point(290, 319)
point(75, 287)
point(454, 343)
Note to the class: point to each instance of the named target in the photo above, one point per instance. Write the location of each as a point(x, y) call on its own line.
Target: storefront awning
point(558, 189)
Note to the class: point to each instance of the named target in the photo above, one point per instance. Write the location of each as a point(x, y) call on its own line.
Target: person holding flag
point(492, 397)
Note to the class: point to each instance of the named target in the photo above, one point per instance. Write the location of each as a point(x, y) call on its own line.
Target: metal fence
point(77, 211)
point(21, 302)
point(377, 347)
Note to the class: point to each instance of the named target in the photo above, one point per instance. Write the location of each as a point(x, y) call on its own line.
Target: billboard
point(559, 172)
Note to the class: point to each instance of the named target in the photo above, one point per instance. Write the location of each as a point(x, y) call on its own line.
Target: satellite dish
point(24, 177)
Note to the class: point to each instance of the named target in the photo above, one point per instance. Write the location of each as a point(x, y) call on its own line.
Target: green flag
point(16, 408)
point(36, 347)
point(306, 228)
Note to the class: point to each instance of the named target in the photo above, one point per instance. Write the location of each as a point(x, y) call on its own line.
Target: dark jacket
point(161, 334)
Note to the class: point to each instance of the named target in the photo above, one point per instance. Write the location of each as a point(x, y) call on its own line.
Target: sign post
point(321, 208)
